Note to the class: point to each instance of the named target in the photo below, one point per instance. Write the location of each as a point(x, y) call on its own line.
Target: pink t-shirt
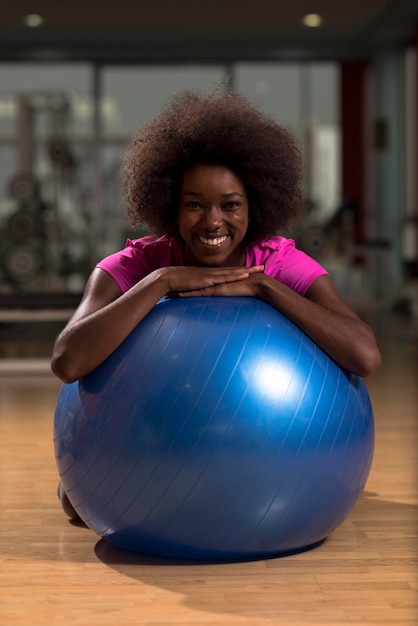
point(280, 257)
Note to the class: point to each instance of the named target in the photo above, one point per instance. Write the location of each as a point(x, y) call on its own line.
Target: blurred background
point(78, 79)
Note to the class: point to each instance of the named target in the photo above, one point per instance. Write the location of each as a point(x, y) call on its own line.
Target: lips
point(213, 241)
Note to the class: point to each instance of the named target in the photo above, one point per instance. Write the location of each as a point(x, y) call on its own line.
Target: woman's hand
point(195, 281)
point(246, 284)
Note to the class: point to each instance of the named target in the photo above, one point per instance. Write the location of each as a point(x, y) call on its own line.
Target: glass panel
point(304, 98)
point(132, 95)
point(45, 179)
point(274, 87)
point(326, 139)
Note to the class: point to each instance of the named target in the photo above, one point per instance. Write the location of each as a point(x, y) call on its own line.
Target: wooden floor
point(53, 573)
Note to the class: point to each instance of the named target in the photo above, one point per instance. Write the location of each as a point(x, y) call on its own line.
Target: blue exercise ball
point(218, 430)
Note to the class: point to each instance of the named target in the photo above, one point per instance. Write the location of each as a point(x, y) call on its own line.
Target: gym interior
point(76, 83)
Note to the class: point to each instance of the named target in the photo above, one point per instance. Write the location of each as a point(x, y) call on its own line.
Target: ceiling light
point(312, 20)
point(33, 20)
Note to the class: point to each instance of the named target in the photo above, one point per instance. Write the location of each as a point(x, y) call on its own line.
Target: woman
point(214, 180)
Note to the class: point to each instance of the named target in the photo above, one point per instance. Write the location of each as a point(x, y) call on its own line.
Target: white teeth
point(218, 241)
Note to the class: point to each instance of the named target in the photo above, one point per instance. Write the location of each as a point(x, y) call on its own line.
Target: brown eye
point(231, 206)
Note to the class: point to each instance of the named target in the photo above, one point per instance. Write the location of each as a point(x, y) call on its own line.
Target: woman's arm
point(325, 317)
point(101, 322)
point(105, 316)
point(321, 314)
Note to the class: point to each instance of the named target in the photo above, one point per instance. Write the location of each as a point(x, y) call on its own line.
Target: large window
point(46, 114)
point(65, 127)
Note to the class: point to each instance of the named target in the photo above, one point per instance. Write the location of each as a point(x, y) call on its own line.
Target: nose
point(213, 217)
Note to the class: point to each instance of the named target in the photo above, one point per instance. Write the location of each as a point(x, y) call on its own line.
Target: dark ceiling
point(171, 30)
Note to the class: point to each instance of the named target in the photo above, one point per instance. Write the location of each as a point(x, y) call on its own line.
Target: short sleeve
point(286, 263)
point(139, 258)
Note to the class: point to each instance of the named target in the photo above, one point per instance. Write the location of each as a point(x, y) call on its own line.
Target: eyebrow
point(224, 195)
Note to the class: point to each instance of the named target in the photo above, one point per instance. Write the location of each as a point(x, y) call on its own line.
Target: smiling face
point(212, 216)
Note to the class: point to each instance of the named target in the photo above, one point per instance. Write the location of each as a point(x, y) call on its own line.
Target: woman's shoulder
point(161, 247)
point(264, 248)
point(149, 242)
point(285, 262)
point(140, 257)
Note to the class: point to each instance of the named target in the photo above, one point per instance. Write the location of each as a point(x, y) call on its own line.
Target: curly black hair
point(223, 129)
